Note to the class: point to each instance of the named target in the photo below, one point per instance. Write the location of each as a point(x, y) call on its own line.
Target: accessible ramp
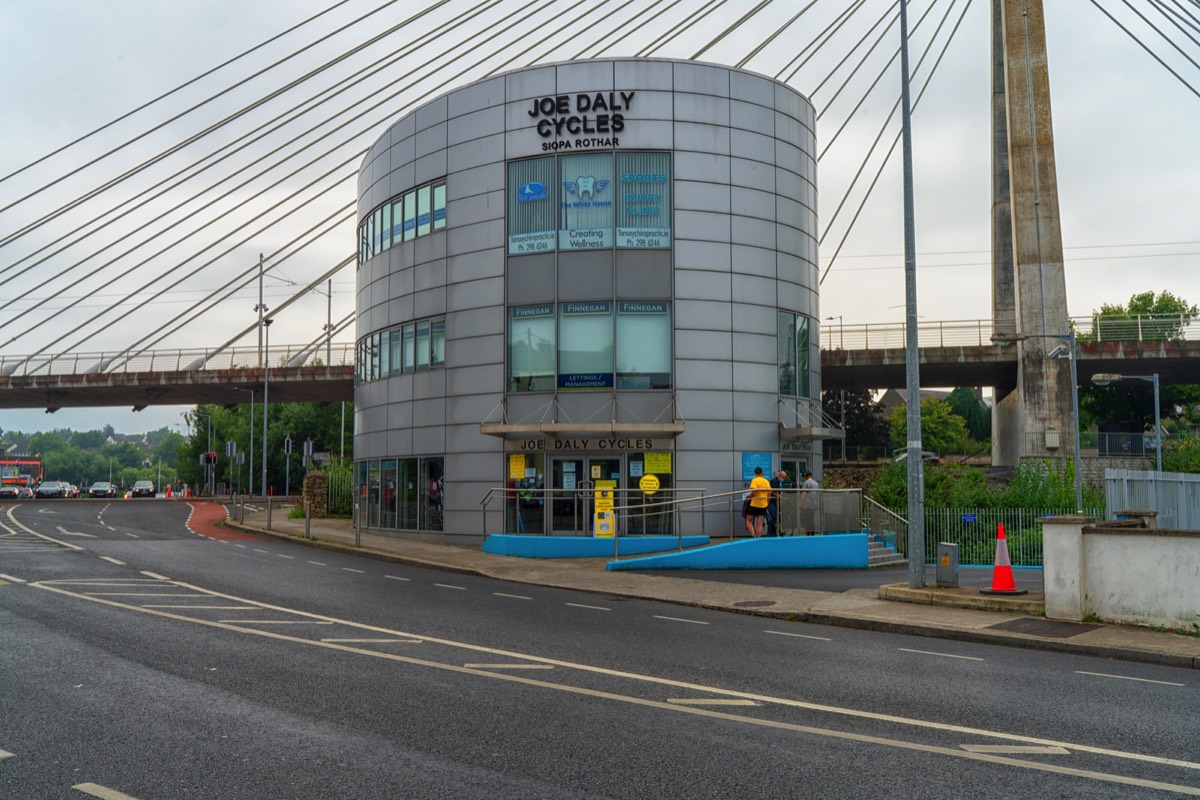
point(827, 551)
point(530, 546)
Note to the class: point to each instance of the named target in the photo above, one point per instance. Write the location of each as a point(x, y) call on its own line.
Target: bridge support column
point(1035, 418)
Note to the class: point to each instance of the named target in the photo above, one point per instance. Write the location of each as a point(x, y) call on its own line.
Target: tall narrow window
point(643, 344)
point(424, 211)
point(437, 349)
point(423, 345)
point(393, 351)
point(387, 225)
point(439, 206)
point(377, 231)
point(410, 215)
point(407, 345)
point(586, 207)
point(785, 346)
point(531, 348)
point(585, 345)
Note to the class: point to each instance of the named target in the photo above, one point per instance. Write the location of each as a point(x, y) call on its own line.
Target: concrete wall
point(1123, 572)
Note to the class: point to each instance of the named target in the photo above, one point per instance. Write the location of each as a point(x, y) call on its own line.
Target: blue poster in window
point(752, 460)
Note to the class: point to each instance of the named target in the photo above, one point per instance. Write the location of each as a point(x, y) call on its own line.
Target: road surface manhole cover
point(1044, 627)
point(754, 604)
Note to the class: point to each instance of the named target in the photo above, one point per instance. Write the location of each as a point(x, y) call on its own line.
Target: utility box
point(947, 565)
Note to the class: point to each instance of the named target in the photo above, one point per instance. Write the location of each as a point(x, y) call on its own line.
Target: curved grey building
point(596, 277)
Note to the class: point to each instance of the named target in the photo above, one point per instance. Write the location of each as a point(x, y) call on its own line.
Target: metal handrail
point(183, 359)
point(550, 494)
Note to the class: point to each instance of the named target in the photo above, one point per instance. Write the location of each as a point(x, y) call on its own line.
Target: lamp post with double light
point(1105, 378)
point(1070, 351)
point(266, 385)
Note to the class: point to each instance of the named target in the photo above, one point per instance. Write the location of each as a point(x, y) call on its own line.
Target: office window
point(393, 360)
point(387, 225)
point(531, 212)
point(585, 345)
point(643, 344)
point(408, 346)
point(643, 200)
point(377, 232)
point(437, 347)
point(410, 215)
point(586, 206)
point(423, 345)
point(531, 348)
point(792, 350)
point(424, 211)
point(439, 206)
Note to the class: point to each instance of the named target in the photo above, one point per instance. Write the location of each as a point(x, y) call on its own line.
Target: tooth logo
point(585, 187)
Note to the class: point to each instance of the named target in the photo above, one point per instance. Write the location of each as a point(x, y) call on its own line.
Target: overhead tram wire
point(170, 92)
point(731, 28)
point(246, 140)
point(430, 91)
point(1142, 44)
point(895, 141)
point(241, 142)
point(197, 136)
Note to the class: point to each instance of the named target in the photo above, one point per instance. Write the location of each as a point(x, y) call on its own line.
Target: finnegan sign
point(581, 120)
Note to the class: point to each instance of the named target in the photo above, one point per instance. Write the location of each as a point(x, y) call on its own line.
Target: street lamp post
point(207, 467)
point(1105, 378)
point(266, 385)
point(841, 330)
point(250, 473)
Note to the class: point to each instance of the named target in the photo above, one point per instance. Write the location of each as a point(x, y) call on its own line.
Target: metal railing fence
point(571, 511)
point(1174, 495)
point(184, 359)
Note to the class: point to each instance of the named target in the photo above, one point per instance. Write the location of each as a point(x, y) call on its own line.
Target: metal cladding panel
point(400, 414)
point(475, 266)
point(476, 322)
point(645, 273)
point(650, 134)
point(716, 434)
point(430, 439)
point(745, 172)
point(476, 180)
point(522, 88)
point(428, 410)
point(532, 279)
point(756, 375)
point(703, 285)
point(585, 275)
point(475, 351)
point(702, 196)
point(751, 117)
point(692, 254)
point(752, 145)
point(646, 75)
point(475, 208)
point(704, 167)
point(753, 203)
point(753, 318)
point(752, 260)
point(701, 79)
point(399, 442)
point(710, 139)
point(703, 315)
point(707, 226)
point(474, 238)
point(697, 344)
point(474, 152)
point(706, 405)
point(754, 348)
point(755, 407)
point(431, 302)
point(753, 231)
point(486, 94)
point(702, 108)
point(583, 77)
point(752, 89)
point(429, 274)
point(431, 115)
point(475, 294)
point(483, 379)
point(430, 167)
point(709, 375)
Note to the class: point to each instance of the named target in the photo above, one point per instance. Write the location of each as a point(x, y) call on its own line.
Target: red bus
point(21, 471)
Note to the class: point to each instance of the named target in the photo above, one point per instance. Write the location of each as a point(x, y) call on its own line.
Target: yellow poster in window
point(658, 463)
point(516, 466)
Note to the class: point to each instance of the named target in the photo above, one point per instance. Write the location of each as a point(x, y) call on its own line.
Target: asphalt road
point(141, 660)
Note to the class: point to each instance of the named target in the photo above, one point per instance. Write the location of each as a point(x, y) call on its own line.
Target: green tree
point(1146, 316)
point(942, 430)
point(1182, 454)
point(978, 417)
point(865, 421)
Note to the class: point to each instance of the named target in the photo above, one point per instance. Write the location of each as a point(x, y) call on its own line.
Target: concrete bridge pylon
point(1035, 416)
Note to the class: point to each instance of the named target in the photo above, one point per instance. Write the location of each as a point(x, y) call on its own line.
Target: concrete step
point(881, 555)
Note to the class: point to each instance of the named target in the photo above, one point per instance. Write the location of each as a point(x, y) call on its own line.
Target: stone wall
point(316, 491)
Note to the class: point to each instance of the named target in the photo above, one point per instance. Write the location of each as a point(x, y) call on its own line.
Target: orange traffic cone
point(1002, 574)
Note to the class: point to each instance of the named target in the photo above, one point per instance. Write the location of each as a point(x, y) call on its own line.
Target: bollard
point(307, 522)
point(268, 513)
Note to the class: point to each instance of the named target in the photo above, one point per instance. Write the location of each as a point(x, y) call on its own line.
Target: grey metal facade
point(743, 248)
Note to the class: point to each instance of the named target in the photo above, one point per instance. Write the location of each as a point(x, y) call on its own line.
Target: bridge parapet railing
point(978, 332)
point(183, 359)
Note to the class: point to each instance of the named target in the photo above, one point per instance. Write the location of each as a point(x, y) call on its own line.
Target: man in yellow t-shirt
point(760, 495)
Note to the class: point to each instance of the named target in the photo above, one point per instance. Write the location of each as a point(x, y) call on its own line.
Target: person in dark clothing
point(773, 505)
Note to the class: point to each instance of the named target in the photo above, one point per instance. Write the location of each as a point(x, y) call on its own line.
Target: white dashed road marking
point(1127, 678)
point(112, 560)
point(942, 655)
point(680, 619)
point(512, 596)
point(799, 636)
point(593, 608)
point(450, 586)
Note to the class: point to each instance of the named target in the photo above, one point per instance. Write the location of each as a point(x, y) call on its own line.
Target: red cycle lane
point(204, 518)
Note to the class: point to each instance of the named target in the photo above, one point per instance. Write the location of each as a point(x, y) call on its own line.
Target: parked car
point(50, 489)
point(102, 489)
point(10, 493)
point(143, 489)
point(26, 493)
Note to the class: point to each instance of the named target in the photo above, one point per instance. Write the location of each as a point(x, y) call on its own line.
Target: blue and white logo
point(531, 192)
point(585, 186)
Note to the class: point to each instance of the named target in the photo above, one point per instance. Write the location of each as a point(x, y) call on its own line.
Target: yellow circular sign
point(648, 484)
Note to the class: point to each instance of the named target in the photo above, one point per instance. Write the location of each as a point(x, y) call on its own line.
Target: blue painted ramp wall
point(832, 551)
point(506, 544)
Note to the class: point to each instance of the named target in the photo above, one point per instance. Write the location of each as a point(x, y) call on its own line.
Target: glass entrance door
point(577, 482)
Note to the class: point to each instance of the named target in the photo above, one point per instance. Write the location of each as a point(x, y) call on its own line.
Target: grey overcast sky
point(1127, 141)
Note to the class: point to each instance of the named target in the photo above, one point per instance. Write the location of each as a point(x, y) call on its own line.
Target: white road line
point(58, 587)
point(10, 578)
point(259, 551)
point(943, 655)
point(241, 546)
point(351, 569)
point(378, 641)
point(112, 560)
point(281, 555)
point(512, 596)
point(680, 619)
point(66, 532)
point(110, 527)
point(96, 790)
point(593, 608)
point(507, 666)
point(450, 586)
point(156, 575)
point(1016, 749)
point(6, 754)
point(1127, 678)
point(132, 535)
point(274, 622)
point(318, 563)
point(146, 594)
point(710, 701)
point(27, 529)
point(201, 608)
point(397, 578)
point(799, 636)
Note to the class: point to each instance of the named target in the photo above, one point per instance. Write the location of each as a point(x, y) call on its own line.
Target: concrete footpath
point(874, 602)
